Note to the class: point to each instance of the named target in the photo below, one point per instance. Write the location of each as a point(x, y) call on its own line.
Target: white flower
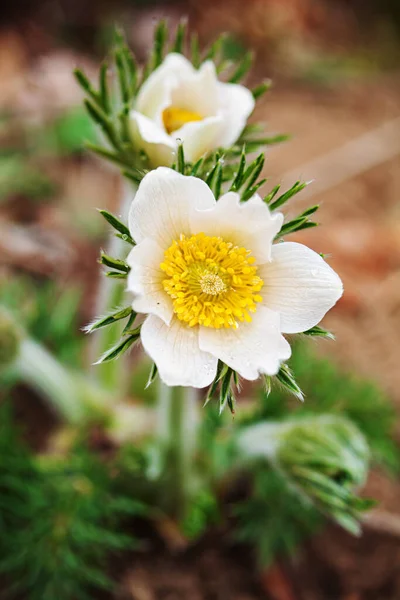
point(213, 285)
point(178, 102)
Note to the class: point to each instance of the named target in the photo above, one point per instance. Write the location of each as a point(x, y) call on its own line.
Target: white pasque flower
point(179, 102)
point(213, 284)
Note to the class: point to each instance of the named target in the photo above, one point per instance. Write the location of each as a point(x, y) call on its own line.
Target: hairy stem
point(177, 430)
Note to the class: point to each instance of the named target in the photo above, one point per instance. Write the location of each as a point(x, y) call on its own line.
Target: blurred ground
point(56, 233)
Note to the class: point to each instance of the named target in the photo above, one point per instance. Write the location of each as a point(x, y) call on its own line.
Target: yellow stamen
point(174, 118)
point(211, 282)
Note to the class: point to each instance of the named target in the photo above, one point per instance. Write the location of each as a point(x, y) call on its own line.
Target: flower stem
point(177, 430)
point(112, 375)
point(68, 393)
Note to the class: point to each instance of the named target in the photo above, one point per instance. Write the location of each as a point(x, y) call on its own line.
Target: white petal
point(145, 280)
point(147, 135)
point(162, 205)
point(299, 285)
point(249, 224)
point(236, 103)
point(153, 92)
point(199, 91)
point(252, 348)
point(175, 350)
point(199, 137)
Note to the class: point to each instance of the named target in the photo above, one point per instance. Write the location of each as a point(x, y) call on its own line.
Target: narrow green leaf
point(86, 85)
point(114, 263)
point(130, 322)
point(195, 50)
point(261, 89)
point(122, 75)
point(104, 95)
point(180, 36)
point(269, 197)
point(116, 274)
point(120, 348)
point(237, 182)
point(243, 68)
point(181, 159)
point(197, 166)
point(108, 319)
point(115, 223)
point(152, 375)
point(295, 189)
point(160, 37)
point(99, 117)
point(286, 378)
point(319, 332)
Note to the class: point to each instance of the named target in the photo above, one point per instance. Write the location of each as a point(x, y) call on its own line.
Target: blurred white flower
point(178, 102)
point(214, 285)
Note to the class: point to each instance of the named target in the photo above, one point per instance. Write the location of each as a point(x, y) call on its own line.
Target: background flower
point(178, 102)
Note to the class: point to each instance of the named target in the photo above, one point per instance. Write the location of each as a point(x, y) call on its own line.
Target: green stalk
point(112, 375)
point(177, 432)
point(69, 394)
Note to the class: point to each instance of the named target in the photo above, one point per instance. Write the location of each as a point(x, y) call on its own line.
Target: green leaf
point(295, 189)
point(319, 332)
point(160, 37)
point(104, 95)
point(114, 263)
point(120, 348)
point(180, 36)
point(243, 68)
point(86, 85)
point(261, 89)
point(116, 223)
point(109, 319)
point(152, 375)
point(286, 378)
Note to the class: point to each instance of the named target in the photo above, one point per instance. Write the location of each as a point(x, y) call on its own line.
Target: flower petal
point(147, 135)
point(152, 94)
point(236, 103)
point(145, 280)
point(163, 203)
point(198, 91)
point(299, 285)
point(249, 224)
point(251, 349)
point(199, 137)
point(175, 350)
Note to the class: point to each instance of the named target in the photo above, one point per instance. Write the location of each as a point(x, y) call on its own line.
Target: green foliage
point(273, 519)
point(57, 329)
point(61, 518)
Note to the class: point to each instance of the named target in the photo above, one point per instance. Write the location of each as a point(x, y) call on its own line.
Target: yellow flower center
point(211, 282)
point(174, 118)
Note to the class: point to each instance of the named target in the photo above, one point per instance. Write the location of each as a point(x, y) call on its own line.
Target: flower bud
point(324, 458)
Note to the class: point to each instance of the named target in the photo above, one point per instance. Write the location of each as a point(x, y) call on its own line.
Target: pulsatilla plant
point(199, 275)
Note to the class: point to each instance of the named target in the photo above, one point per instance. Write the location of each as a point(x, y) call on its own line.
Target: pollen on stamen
point(211, 282)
